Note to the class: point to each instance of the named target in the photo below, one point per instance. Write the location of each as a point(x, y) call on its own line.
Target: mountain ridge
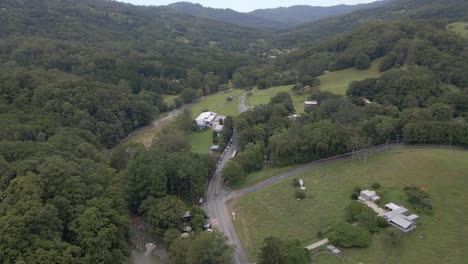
point(276, 18)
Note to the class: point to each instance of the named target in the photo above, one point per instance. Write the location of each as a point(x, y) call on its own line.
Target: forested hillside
point(78, 76)
point(297, 15)
point(226, 15)
point(75, 78)
point(274, 18)
point(395, 9)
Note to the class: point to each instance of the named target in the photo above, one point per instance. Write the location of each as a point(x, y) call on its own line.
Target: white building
point(206, 119)
point(400, 217)
point(368, 195)
point(311, 103)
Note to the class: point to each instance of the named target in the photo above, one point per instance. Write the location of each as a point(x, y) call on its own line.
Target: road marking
point(214, 221)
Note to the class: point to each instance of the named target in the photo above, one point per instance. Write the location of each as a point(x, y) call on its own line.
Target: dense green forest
point(78, 76)
point(273, 18)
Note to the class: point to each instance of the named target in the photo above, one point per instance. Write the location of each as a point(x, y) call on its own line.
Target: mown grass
point(218, 103)
point(439, 238)
point(460, 28)
point(258, 176)
point(338, 81)
point(201, 141)
point(259, 97)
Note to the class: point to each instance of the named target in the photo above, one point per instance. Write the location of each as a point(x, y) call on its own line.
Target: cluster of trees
point(60, 201)
point(419, 198)
point(275, 250)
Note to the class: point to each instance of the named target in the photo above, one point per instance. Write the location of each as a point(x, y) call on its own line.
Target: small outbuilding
point(311, 103)
point(368, 195)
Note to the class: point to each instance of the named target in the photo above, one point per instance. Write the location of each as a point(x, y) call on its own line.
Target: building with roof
point(311, 103)
point(368, 195)
point(400, 217)
point(205, 119)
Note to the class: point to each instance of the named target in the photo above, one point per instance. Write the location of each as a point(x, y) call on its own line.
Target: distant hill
point(282, 17)
point(296, 15)
point(226, 15)
point(451, 10)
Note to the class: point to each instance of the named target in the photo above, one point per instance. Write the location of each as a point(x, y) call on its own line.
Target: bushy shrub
point(419, 197)
point(357, 189)
point(346, 235)
point(382, 222)
point(300, 194)
point(296, 183)
point(375, 185)
point(354, 196)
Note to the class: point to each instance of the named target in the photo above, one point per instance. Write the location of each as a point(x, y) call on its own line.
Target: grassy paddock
point(440, 238)
point(337, 82)
point(459, 28)
point(201, 141)
point(263, 97)
point(218, 103)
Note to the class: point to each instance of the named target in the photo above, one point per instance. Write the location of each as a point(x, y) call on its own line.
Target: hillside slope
point(393, 9)
point(226, 15)
point(275, 18)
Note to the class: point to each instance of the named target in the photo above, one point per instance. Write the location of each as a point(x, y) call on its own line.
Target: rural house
point(367, 195)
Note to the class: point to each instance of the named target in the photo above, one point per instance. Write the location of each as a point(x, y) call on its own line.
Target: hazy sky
point(249, 5)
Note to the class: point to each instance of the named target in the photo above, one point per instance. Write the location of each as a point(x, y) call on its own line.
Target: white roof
point(392, 206)
point(400, 221)
point(206, 116)
point(311, 102)
point(413, 217)
point(219, 128)
point(396, 213)
point(368, 193)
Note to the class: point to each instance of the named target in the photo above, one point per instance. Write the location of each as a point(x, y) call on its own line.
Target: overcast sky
point(249, 5)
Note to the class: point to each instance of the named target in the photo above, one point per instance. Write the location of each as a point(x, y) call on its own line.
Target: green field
point(218, 103)
point(263, 97)
point(440, 238)
point(201, 141)
point(337, 82)
point(258, 176)
point(459, 28)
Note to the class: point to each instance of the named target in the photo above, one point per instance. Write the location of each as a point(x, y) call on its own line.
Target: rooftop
point(402, 222)
point(392, 206)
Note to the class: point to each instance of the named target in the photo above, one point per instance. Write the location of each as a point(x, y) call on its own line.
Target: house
point(294, 117)
point(368, 195)
point(214, 147)
point(311, 103)
point(400, 217)
point(218, 128)
point(205, 119)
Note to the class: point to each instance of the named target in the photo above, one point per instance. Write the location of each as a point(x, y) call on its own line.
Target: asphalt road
point(216, 198)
